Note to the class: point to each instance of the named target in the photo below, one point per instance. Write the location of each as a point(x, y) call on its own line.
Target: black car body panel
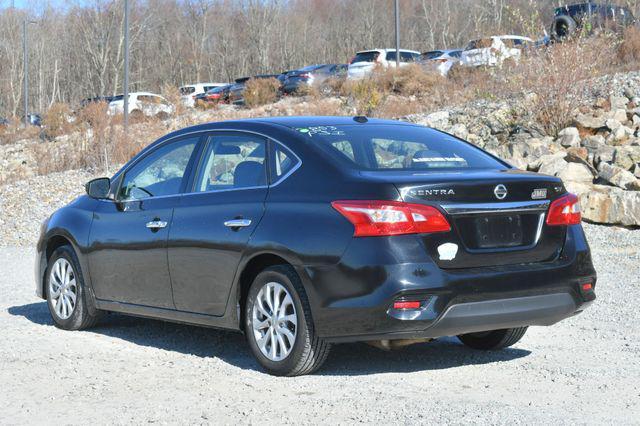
point(197, 268)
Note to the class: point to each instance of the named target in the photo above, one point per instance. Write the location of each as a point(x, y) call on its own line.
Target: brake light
point(384, 218)
point(405, 304)
point(304, 75)
point(565, 211)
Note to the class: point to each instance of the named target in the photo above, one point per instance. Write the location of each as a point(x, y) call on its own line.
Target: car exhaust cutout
point(390, 345)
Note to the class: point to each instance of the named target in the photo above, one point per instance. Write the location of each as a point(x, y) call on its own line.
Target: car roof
point(291, 122)
point(387, 50)
point(514, 37)
point(144, 94)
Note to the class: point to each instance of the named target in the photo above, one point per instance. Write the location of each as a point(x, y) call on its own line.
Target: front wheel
point(278, 324)
point(492, 340)
point(65, 290)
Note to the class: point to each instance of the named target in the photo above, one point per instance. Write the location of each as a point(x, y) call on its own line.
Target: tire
point(493, 340)
point(308, 352)
point(563, 27)
point(77, 314)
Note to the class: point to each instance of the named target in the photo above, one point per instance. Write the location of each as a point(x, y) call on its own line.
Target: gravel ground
point(130, 370)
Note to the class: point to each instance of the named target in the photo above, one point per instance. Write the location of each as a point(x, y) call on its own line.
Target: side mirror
point(98, 188)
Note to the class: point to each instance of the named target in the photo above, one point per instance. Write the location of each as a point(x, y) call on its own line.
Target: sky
point(37, 5)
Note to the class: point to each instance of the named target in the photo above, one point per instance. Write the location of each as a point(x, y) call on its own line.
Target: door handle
point(237, 223)
point(156, 224)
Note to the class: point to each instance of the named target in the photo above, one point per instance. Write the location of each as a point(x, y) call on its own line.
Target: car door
point(128, 239)
point(214, 222)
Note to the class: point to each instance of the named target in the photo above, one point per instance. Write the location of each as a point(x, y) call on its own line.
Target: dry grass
point(58, 121)
point(628, 53)
point(260, 91)
point(556, 76)
point(411, 80)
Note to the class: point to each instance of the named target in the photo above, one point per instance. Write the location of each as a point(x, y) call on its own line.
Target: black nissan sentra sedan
point(307, 231)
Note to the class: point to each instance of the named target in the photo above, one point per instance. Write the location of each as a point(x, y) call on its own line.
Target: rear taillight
point(304, 75)
point(565, 211)
point(383, 218)
point(406, 304)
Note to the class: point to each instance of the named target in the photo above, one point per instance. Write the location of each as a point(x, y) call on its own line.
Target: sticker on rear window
point(321, 130)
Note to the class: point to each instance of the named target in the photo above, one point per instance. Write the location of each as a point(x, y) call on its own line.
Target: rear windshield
point(386, 147)
point(432, 55)
point(365, 57)
point(455, 53)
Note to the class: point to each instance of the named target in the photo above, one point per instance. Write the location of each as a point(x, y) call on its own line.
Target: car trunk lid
point(497, 216)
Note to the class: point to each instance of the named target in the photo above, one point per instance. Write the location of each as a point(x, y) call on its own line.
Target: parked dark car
point(4, 122)
point(314, 75)
point(219, 95)
point(308, 231)
point(587, 17)
point(236, 92)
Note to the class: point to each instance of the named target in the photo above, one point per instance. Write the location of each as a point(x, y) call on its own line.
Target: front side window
point(232, 162)
point(160, 173)
point(387, 147)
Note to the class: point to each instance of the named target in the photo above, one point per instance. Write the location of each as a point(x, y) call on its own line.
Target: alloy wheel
point(274, 321)
point(63, 289)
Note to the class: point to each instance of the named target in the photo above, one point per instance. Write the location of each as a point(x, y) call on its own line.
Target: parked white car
point(189, 92)
point(493, 51)
point(441, 60)
point(363, 64)
point(148, 104)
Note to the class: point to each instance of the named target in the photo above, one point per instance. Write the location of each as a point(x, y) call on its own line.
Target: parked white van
point(493, 51)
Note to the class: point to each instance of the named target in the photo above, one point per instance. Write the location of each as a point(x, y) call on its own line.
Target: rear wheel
point(65, 290)
point(492, 340)
point(278, 324)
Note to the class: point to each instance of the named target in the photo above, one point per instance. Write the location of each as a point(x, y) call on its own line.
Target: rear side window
point(187, 90)
point(365, 57)
point(232, 162)
point(389, 147)
point(283, 162)
point(455, 53)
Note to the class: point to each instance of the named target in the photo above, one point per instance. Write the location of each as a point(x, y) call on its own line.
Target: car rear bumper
point(353, 301)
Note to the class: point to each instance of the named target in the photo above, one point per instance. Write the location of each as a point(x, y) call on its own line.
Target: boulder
point(592, 143)
point(438, 119)
point(616, 176)
point(590, 122)
point(609, 204)
point(612, 123)
point(576, 172)
point(604, 153)
point(551, 164)
point(459, 130)
point(569, 137)
point(618, 102)
point(617, 115)
point(620, 135)
point(627, 157)
point(577, 154)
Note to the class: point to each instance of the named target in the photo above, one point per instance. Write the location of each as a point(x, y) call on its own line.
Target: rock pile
point(598, 158)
